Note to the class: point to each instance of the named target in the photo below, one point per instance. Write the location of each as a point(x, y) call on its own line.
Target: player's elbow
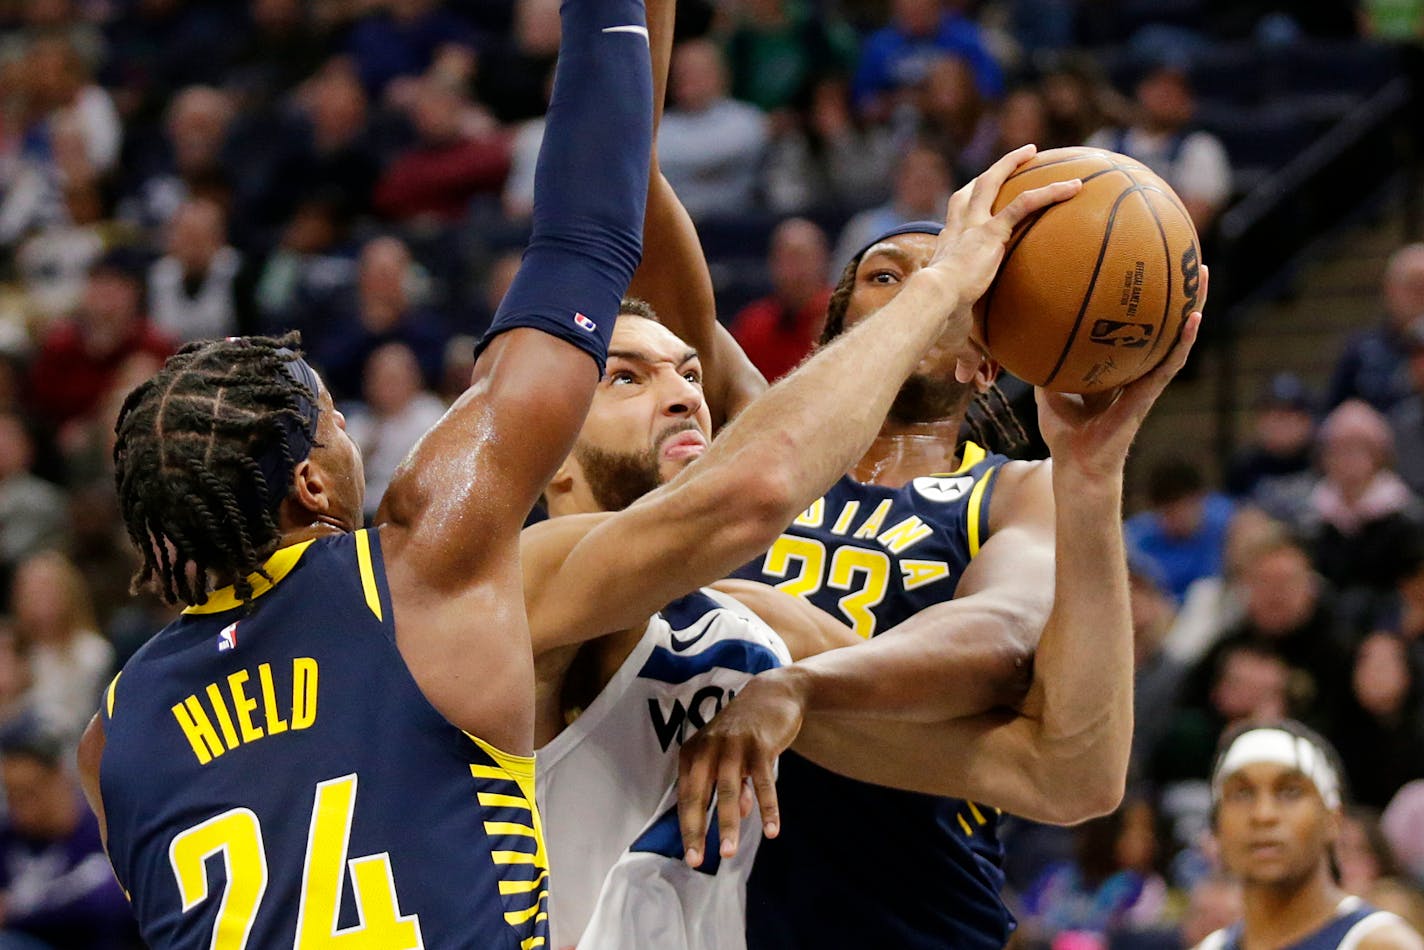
point(766, 497)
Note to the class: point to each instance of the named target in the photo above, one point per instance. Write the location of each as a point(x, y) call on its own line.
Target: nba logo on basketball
point(227, 638)
point(585, 322)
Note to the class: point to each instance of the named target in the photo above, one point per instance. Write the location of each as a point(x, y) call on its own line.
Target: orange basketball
point(1094, 290)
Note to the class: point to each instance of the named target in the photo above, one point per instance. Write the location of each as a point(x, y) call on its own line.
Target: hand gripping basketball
point(971, 246)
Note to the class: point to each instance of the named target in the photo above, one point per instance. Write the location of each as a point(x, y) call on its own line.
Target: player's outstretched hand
point(971, 246)
point(1093, 433)
point(743, 741)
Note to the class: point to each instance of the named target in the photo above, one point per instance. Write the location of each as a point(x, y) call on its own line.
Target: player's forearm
point(1080, 705)
point(792, 444)
point(955, 659)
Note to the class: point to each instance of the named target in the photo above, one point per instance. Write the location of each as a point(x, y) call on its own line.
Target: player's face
point(648, 420)
point(339, 460)
point(1273, 826)
point(931, 392)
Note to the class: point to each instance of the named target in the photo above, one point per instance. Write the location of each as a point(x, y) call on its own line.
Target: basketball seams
point(1167, 301)
point(1093, 281)
point(1087, 156)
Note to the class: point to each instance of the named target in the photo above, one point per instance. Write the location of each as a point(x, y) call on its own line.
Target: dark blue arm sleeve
point(591, 183)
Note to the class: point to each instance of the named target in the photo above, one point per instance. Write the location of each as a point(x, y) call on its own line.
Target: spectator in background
point(1363, 513)
point(15, 680)
point(312, 265)
point(1373, 364)
point(79, 358)
point(1184, 528)
point(1158, 675)
point(922, 186)
point(1399, 21)
point(826, 157)
point(329, 154)
point(70, 662)
point(1362, 852)
point(396, 411)
point(1079, 103)
point(779, 331)
point(779, 49)
point(192, 290)
point(279, 50)
point(1112, 885)
point(898, 56)
point(54, 261)
point(1247, 681)
point(1213, 904)
point(33, 512)
point(1023, 120)
point(1274, 471)
point(1380, 732)
point(954, 117)
point(459, 153)
point(515, 72)
point(384, 311)
point(710, 146)
point(1406, 417)
point(195, 136)
point(56, 886)
point(62, 89)
point(1403, 826)
point(403, 38)
point(1291, 614)
point(1194, 163)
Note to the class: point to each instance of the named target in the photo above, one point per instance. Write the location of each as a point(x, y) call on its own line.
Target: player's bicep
point(477, 473)
point(1392, 935)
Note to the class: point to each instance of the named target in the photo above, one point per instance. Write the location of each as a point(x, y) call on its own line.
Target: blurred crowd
point(362, 171)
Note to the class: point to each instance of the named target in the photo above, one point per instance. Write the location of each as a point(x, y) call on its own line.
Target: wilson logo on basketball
point(1129, 336)
point(1191, 279)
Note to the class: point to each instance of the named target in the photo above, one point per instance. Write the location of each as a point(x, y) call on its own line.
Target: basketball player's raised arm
point(872, 712)
point(476, 474)
point(673, 277)
point(611, 572)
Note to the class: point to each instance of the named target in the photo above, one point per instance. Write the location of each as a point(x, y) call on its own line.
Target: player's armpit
point(91, 753)
point(806, 629)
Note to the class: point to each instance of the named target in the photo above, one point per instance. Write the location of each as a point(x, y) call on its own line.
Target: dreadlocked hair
point(193, 496)
point(991, 419)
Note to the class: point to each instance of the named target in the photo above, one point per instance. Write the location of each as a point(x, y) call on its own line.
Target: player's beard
point(925, 398)
point(617, 479)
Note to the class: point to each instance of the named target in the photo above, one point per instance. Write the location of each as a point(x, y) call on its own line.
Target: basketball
point(1093, 291)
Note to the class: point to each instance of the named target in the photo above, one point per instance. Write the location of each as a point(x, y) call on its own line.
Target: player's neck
point(1280, 916)
point(906, 450)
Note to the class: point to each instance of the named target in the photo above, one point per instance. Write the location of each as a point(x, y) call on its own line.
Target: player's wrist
point(939, 290)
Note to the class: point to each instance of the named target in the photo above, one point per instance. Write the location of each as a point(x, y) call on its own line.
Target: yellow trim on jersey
point(368, 572)
point(971, 455)
point(278, 566)
point(109, 694)
point(976, 504)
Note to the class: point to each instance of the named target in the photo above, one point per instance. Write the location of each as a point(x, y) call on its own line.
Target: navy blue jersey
point(856, 864)
point(274, 777)
point(1352, 923)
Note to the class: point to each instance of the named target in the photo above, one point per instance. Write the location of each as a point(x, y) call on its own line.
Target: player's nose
point(681, 396)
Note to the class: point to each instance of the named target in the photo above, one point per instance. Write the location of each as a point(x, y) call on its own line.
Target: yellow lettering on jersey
point(275, 723)
point(847, 514)
point(303, 692)
point(906, 534)
point(243, 706)
point(231, 708)
point(224, 719)
point(919, 573)
point(199, 729)
point(812, 517)
point(872, 524)
point(979, 818)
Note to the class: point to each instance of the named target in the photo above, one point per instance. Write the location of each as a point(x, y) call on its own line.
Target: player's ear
point(977, 370)
point(309, 487)
point(563, 481)
point(988, 372)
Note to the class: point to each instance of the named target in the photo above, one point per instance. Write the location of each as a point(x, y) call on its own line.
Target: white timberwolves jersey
point(607, 790)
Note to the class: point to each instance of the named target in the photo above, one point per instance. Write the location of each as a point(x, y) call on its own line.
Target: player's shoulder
point(1382, 930)
point(1217, 940)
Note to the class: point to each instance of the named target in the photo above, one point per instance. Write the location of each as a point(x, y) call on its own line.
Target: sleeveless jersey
point(274, 777)
point(857, 864)
point(1354, 921)
point(607, 789)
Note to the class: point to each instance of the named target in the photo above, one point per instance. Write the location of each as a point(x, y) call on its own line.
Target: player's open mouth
point(684, 445)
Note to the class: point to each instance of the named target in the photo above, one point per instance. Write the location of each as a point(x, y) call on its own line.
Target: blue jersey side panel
point(242, 722)
point(856, 864)
point(1328, 937)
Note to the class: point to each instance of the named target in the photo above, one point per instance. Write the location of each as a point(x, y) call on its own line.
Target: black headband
point(300, 438)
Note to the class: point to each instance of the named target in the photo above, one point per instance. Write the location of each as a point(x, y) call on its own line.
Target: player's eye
point(1291, 791)
point(693, 376)
point(885, 277)
point(621, 377)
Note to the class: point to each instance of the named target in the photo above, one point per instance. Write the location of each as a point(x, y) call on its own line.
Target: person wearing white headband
point(1277, 796)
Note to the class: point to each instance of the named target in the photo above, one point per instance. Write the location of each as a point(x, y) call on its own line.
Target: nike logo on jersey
point(632, 28)
point(679, 644)
point(943, 489)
